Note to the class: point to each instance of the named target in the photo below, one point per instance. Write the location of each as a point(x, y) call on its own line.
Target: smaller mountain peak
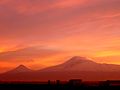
point(21, 68)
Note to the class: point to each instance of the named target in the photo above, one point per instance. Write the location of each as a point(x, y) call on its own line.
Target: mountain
point(20, 69)
point(76, 67)
point(83, 64)
point(19, 73)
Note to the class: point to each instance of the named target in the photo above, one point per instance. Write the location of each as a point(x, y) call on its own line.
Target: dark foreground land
point(57, 85)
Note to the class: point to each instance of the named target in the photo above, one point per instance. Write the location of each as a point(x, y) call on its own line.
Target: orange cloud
point(69, 3)
point(108, 59)
point(2, 2)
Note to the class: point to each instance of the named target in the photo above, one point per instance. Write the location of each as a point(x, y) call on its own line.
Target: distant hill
point(74, 68)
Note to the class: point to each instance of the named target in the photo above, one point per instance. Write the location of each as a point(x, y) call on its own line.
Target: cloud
point(26, 21)
point(36, 57)
point(2, 2)
point(32, 7)
point(115, 59)
point(28, 54)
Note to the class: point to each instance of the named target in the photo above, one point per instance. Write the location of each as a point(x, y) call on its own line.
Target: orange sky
point(40, 33)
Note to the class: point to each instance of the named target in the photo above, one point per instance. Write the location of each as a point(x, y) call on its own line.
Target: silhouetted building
point(49, 82)
point(58, 82)
point(75, 82)
point(103, 83)
point(113, 82)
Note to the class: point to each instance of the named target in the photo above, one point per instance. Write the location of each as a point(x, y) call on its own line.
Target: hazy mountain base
point(45, 76)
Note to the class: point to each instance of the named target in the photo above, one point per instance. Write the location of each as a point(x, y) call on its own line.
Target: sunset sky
point(41, 33)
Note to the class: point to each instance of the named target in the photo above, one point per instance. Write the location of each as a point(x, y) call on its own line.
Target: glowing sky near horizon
point(40, 33)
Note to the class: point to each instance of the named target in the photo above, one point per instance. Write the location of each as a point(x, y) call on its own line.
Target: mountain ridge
point(76, 67)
